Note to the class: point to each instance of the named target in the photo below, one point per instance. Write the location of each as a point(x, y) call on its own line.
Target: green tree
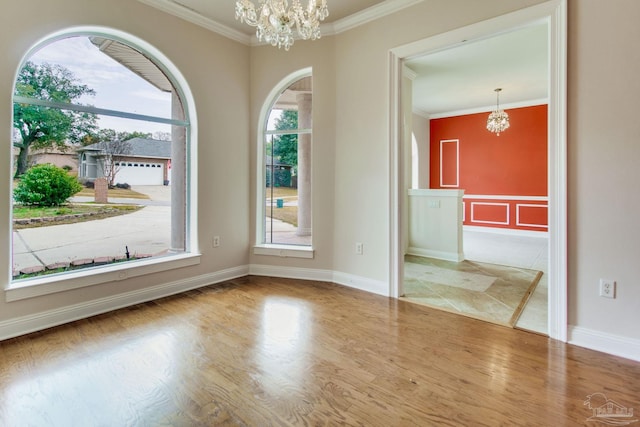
point(108, 135)
point(285, 147)
point(42, 127)
point(45, 185)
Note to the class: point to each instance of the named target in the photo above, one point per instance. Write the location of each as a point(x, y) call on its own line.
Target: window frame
point(261, 247)
point(48, 284)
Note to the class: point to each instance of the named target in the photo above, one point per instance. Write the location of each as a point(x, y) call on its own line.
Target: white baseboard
point(290, 272)
point(47, 319)
point(428, 253)
point(628, 348)
point(361, 283)
point(506, 231)
point(344, 279)
point(50, 318)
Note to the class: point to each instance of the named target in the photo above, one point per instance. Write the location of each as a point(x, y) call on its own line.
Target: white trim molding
point(616, 345)
point(290, 272)
point(479, 221)
point(39, 321)
point(362, 283)
point(507, 231)
point(194, 17)
point(369, 14)
point(339, 278)
point(357, 19)
point(429, 253)
point(529, 205)
point(449, 141)
point(553, 12)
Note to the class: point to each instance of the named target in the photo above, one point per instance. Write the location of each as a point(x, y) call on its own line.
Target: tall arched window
point(284, 187)
point(105, 99)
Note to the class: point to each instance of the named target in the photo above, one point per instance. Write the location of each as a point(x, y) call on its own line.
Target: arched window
point(284, 163)
point(103, 97)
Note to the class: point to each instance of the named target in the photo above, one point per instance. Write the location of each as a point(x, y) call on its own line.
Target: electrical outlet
point(216, 241)
point(359, 248)
point(607, 288)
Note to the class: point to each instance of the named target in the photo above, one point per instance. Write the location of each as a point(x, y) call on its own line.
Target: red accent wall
point(512, 164)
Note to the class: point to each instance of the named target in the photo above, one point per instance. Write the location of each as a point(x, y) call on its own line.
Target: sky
point(116, 87)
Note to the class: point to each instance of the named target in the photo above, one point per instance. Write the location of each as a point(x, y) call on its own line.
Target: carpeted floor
point(489, 292)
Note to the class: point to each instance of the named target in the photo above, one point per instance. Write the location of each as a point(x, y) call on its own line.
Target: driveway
point(147, 231)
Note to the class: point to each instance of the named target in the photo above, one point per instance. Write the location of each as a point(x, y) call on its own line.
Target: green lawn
point(288, 214)
point(96, 211)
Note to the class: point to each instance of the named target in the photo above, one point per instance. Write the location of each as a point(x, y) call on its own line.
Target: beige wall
point(351, 138)
point(603, 172)
point(217, 70)
point(362, 123)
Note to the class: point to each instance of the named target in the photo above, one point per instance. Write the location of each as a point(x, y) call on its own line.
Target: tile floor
point(529, 252)
point(516, 251)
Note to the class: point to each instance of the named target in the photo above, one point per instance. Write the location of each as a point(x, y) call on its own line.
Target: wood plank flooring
point(261, 352)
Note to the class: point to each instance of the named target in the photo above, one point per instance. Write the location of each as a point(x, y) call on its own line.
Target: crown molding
point(487, 109)
point(369, 14)
point(421, 113)
point(176, 9)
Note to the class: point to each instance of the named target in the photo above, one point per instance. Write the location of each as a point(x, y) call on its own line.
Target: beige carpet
point(493, 293)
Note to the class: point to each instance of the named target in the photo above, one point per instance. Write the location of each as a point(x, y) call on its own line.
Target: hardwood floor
point(261, 351)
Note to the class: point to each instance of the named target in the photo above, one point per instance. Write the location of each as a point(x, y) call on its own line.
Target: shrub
point(45, 185)
point(123, 186)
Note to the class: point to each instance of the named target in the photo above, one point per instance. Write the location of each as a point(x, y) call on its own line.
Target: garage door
point(134, 173)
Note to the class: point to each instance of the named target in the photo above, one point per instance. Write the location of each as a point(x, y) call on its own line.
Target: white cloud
point(116, 87)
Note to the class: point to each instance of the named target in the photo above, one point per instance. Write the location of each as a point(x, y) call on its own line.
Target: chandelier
point(274, 19)
point(498, 120)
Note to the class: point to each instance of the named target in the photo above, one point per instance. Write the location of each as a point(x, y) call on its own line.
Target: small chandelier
point(274, 19)
point(498, 120)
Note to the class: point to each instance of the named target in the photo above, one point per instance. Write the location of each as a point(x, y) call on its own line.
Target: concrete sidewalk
point(147, 231)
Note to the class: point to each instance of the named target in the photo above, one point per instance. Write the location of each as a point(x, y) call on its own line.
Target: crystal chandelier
point(498, 120)
point(274, 19)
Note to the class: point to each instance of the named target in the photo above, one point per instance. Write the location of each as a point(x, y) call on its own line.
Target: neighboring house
point(62, 158)
point(148, 162)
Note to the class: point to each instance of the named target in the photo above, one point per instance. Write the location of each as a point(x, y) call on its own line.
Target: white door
point(137, 173)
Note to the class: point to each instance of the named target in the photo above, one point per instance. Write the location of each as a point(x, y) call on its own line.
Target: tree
point(113, 152)
point(43, 127)
point(285, 147)
point(162, 136)
point(106, 135)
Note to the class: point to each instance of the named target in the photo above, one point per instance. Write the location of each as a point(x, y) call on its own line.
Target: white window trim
point(271, 249)
point(48, 284)
point(284, 251)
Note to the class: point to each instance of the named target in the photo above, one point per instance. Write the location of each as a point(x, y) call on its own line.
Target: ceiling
point(463, 79)
point(459, 80)
point(219, 15)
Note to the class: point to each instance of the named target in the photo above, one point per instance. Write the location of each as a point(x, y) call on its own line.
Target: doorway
point(553, 13)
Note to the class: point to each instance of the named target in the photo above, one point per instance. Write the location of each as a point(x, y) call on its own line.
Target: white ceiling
point(457, 80)
point(463, 79)
point(219, 15)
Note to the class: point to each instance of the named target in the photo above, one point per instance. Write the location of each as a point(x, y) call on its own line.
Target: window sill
point(284, 251)
point(45, 285)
